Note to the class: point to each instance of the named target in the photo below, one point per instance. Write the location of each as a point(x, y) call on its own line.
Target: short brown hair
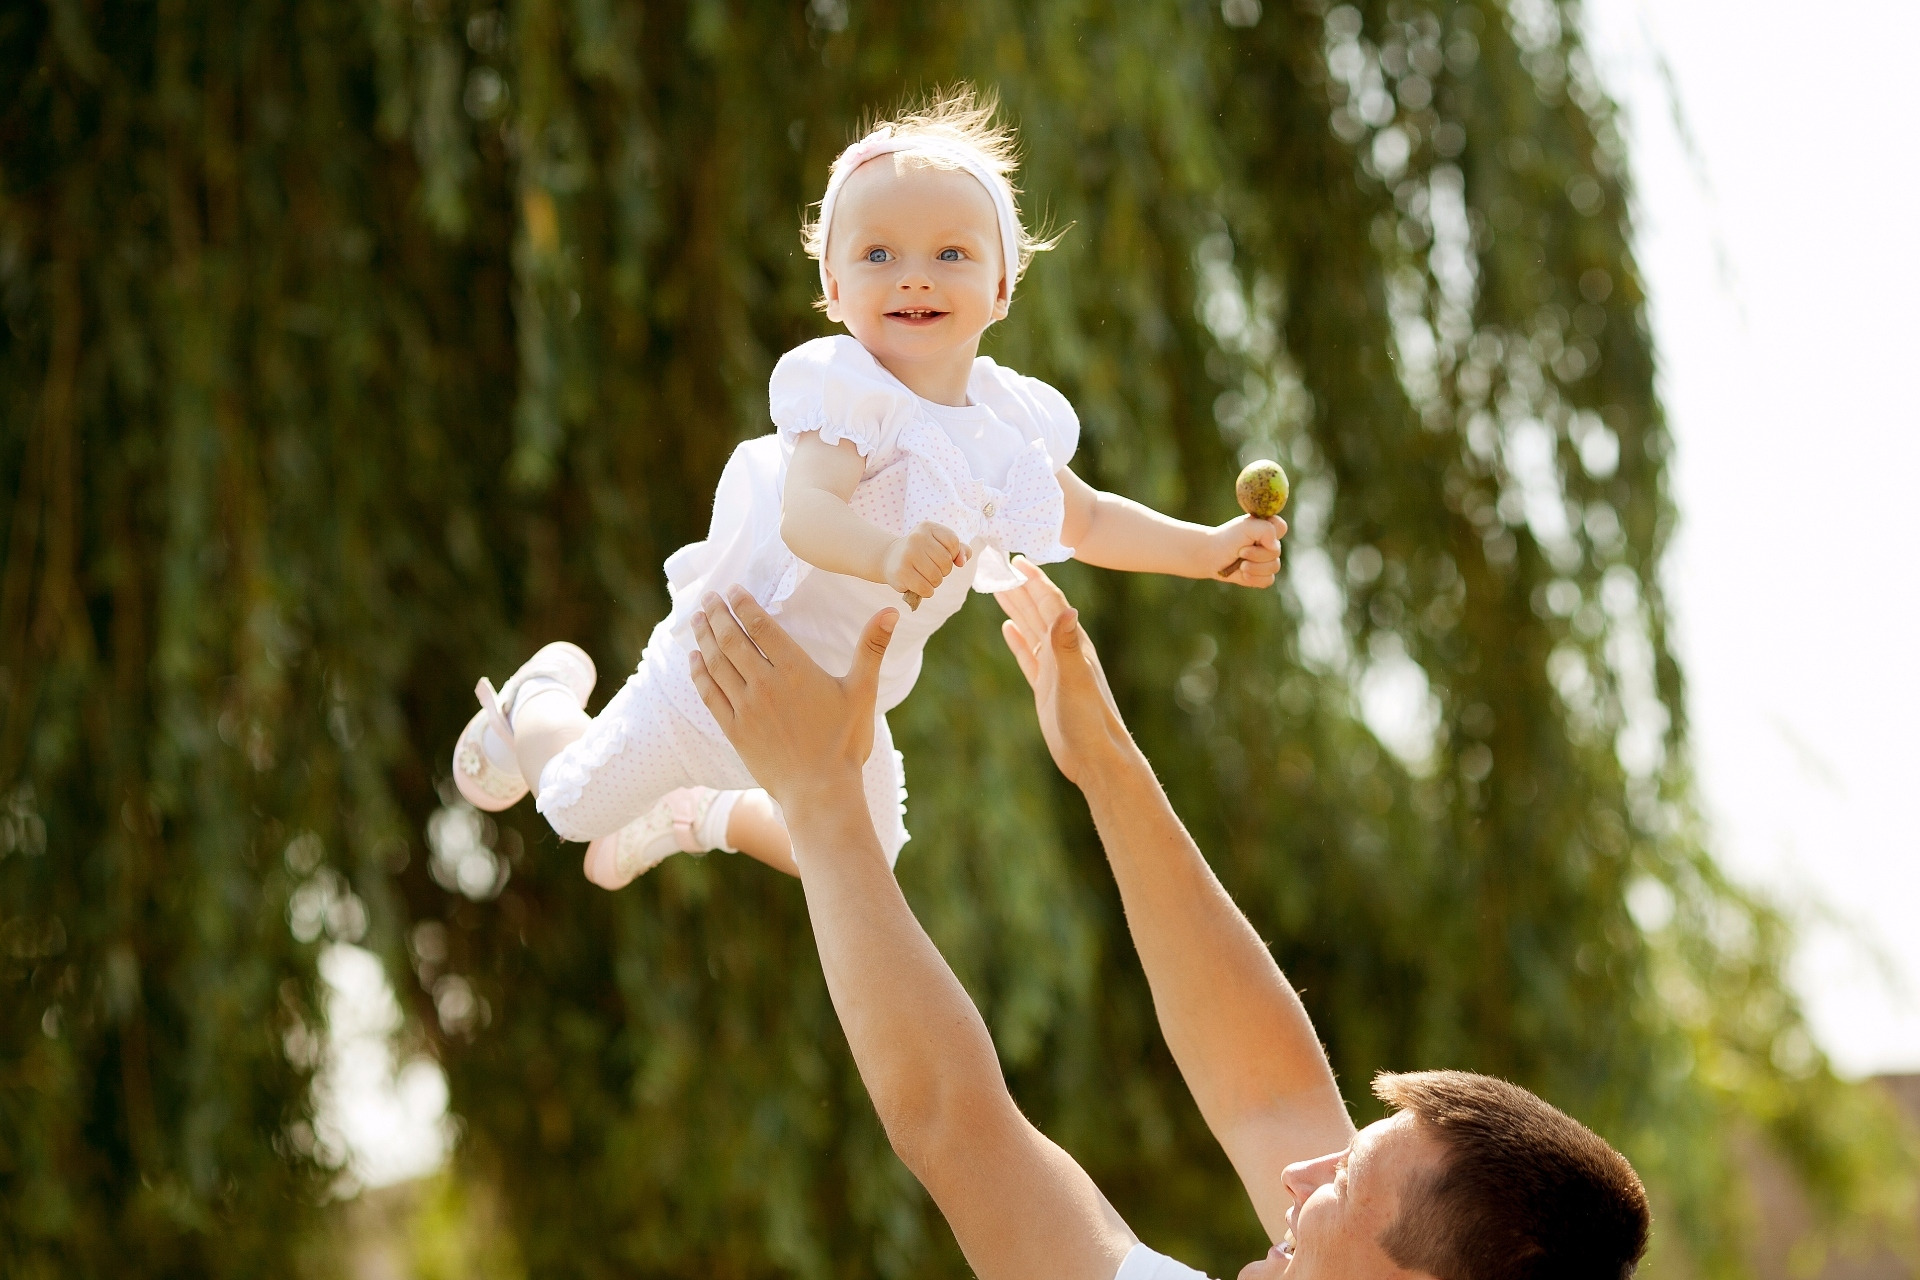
point(1525, 1192)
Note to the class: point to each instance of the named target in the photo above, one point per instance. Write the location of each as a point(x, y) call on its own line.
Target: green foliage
point(355, 347)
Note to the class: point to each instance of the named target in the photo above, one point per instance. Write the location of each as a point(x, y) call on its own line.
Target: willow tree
point(355, 347)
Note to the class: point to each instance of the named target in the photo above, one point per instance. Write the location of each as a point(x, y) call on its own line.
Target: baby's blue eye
point(949, 255)
point(878, 255)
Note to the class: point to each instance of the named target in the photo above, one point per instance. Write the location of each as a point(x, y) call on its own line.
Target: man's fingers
point(1066, 632)
point(1046, 592)
point(732, 637)
point(1018, 604)
point(1040, 601)
point(717, 702)
point(1078, 661)
point(718, 663)
point(768, 636)
point(1023, 653)
point(864, 678)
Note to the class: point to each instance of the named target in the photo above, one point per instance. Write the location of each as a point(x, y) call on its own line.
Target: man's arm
point(1018, 1205)
point(1235, 1026)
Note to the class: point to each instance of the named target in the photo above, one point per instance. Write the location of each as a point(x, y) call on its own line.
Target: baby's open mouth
point(916, 315)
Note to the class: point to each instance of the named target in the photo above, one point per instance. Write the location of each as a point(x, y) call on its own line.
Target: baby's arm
point(1113, 532)
point(823, 530)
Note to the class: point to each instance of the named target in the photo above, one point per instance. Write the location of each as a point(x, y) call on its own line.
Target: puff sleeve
point(1037, 410)
point(833, 386)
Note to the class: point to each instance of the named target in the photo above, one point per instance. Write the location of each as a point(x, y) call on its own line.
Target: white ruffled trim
point(567, 774)
point(831, 433)
point(835, 386)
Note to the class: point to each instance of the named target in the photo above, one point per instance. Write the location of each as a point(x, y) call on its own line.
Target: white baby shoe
point(681, 823)
point(484, 767)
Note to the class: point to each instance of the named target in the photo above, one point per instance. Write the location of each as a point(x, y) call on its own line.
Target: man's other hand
point(1078, 717)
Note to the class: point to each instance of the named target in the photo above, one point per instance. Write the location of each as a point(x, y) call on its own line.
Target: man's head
point(1472, 1179)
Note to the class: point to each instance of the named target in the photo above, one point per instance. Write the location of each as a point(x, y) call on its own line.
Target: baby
point(905, 467)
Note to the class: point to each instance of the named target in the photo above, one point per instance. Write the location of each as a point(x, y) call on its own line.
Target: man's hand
point(795, 726)
point(1246, 551)
point(920, 561)
point(1078, 717)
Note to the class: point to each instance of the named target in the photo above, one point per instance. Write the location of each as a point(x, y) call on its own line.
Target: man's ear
point(833, 295)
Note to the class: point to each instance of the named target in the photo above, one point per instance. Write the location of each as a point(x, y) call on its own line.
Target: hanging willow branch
point(354, 347)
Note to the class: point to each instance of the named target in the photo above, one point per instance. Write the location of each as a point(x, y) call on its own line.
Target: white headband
point(883, 142)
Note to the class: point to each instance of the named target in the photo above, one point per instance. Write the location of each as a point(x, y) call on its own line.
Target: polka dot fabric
point(641, 746)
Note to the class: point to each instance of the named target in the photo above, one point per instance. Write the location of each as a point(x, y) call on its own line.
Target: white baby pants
point(643, 745)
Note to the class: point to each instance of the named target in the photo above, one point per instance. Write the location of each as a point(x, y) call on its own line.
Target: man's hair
point(1524, 1191)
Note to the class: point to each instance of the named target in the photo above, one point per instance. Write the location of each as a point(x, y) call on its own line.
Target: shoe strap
point(686, 811)
point(490, 703)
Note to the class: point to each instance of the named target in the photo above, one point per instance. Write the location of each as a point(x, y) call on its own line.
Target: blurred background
point(355, 347)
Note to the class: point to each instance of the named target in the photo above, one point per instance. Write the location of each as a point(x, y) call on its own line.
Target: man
point(1471, 1179)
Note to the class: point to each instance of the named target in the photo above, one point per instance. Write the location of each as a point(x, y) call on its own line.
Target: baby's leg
point(546, 722)
point(755, 826)
point(632, 755)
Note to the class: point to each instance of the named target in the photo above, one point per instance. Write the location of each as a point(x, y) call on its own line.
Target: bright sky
point(383, 1120)
point(1780, 258)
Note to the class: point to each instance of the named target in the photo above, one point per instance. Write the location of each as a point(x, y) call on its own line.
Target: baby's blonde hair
point(960, 114)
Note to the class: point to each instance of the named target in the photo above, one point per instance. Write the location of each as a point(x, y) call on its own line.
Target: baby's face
point(914, 265)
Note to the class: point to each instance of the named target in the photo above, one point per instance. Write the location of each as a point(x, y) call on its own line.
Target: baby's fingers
point(1255, 575)
point(924, 574)
point(947, 540)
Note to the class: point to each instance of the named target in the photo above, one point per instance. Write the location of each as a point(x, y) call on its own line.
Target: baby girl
point(905, 467)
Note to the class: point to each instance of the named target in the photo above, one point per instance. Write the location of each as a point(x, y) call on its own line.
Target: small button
point(989, 509)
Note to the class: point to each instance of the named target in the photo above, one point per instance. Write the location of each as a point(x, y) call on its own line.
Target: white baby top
point(985, 470)
point(1142, 1263)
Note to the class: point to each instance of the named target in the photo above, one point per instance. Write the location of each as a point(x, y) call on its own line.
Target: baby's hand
point(1247, 551)
point(917, 563)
